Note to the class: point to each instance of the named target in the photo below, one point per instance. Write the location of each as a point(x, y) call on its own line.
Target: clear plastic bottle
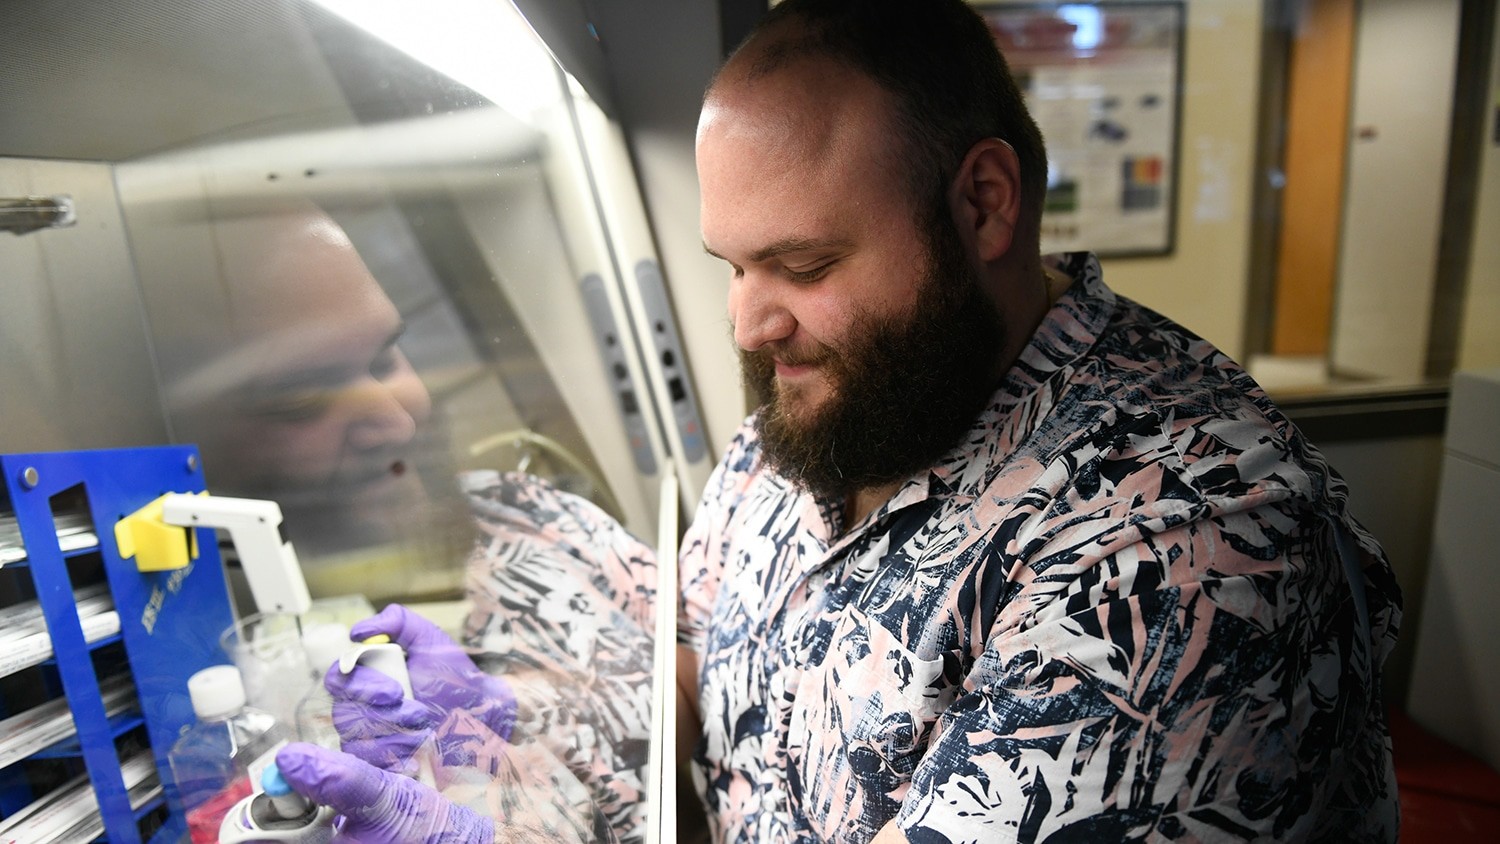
point(324, 644)
point(215, 761)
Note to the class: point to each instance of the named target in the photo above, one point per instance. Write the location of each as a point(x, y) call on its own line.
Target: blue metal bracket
point(170, 621)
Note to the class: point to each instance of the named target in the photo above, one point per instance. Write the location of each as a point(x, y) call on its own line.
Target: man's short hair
point(938, 59)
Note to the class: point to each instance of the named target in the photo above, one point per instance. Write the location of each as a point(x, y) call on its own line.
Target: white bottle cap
point(324, 644)
point(216, 691)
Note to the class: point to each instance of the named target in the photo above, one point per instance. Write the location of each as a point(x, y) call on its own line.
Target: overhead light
point(484, 45)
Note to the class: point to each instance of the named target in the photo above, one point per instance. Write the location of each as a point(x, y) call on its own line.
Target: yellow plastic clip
point(377, 639)
point(156, 545)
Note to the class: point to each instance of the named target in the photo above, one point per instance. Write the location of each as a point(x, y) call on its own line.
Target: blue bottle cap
point(273, 783)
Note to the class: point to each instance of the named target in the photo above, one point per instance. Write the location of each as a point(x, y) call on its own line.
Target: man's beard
point(904, 389)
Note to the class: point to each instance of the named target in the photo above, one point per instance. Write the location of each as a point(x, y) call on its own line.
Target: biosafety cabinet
point(345, 251)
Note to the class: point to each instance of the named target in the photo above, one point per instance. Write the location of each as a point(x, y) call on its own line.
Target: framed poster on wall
point(1104, 83)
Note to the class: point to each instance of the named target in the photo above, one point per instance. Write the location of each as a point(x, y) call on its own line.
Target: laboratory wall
point(1479, 341)
point(1204, 283)
point(67, 294)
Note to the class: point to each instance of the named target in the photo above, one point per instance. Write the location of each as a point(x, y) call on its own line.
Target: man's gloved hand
point(378, 806)
point(442, 675)
point(377, 722)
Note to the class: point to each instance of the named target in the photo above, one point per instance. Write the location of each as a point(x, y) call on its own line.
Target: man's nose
point(757, 314)
point(387, 414)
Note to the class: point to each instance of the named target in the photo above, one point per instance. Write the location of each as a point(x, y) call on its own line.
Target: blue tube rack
point(169, 621)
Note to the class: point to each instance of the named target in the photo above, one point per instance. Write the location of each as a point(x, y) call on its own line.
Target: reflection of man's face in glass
point(321, 410)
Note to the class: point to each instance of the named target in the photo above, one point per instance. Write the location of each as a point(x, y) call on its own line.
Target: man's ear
point(986, 197)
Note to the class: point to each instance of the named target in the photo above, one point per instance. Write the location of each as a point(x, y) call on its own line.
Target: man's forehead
point(803, 151)
point(302, 276)
point(760, 198)
point(808, 97)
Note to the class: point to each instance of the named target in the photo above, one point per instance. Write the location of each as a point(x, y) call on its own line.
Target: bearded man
point(1002, 555)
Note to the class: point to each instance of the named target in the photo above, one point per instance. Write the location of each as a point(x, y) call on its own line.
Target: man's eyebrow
point(318, 376)
point(789, 246)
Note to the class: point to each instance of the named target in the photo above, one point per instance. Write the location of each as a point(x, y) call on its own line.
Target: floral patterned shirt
point(1130, 604)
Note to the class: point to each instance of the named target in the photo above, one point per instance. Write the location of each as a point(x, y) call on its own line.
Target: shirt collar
point(1067, 331)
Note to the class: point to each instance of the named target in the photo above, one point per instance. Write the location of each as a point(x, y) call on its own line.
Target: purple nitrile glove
point(377, 722)
point(378, 807)
point(441, 673)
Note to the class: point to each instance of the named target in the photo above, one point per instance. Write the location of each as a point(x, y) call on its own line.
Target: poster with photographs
point(1103, 81)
